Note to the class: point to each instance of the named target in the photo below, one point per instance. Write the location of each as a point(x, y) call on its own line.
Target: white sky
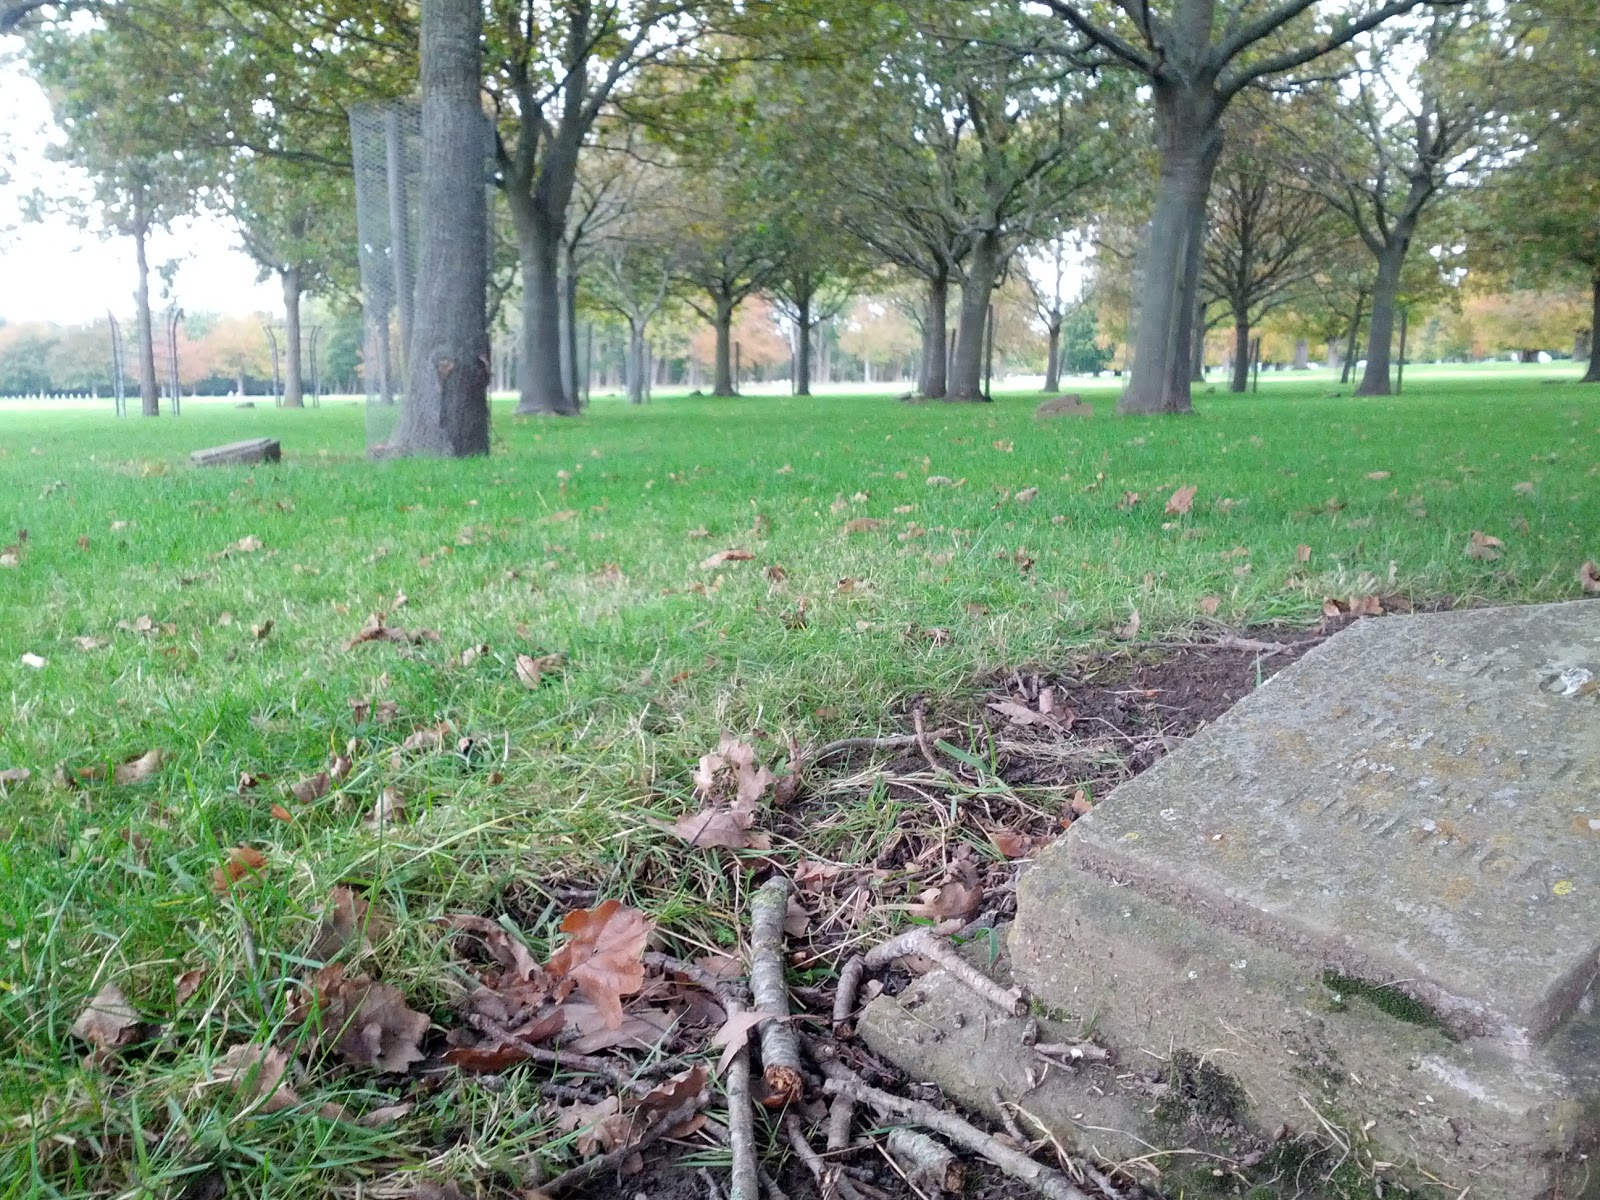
point(54, 271)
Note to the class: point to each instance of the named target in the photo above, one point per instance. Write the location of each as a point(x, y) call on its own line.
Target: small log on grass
point(929, 1167)
point(780, 1047)
point(252, 450)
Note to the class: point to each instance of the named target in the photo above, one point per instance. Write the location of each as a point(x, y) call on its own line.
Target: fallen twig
point(585, 1063)
point(1078, 1051)
point(727, 991)
point(922, 741)
point(741, 1126)
point(609, 1161)
point(780, 1048)
point(844, 998)
point(1045, 1180)
point(830, 1180)
point(895, 742)
point(922, 941)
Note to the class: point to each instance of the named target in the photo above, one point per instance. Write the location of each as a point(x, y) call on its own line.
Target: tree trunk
point(1380, 329)
point(1593, 374)
point(149, 390)
point(1355, 335)
point(1052, 357)
point(722, 385)
point(936, 351)
point(1241, 352)
point(1197, 344)
point(539, 249)
point(635, 367)
point(569, 324)
point(447, 401)
point(802, 346)
point(400, 260)
point(293, 388)
point(1189, 141)
point(977, 291)
point(241, 383)
point(1302, 354)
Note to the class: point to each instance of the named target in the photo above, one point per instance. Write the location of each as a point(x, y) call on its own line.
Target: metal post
point(121, 395)
point(1400, 370)
point(988, 356)
point(316, 368)
point(174, 319)
point(588, 362)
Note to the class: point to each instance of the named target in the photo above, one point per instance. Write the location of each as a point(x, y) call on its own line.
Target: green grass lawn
point(587, 537)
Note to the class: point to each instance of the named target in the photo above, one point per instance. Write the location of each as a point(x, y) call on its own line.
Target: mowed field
point(884, 551)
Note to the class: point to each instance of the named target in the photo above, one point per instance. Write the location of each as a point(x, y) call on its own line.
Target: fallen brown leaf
point(1181, 501)
point(137, 770)
point(375, 630)
point(34, 661)
point(242, 861)
point(1302, 553)
point(1377, 474)
point(473, 653)
point(347, 921)
point(108, 1021)
point(261, 631)
point(864, 524)
point(257, 1074)
point(1018, 845)
point(339, 767)
point(530, 669)
point(732, 772)
point(1027, 495)
point(1482, 546)
point(603, 955)
point(1126, 633)
point(725, 556)
point(388, 809)
point(15, 775)
point(184, 986)
point(367, 1023)
point(91, 643)
point(1210, 604)
point(718, 826)
point(313, 788)
point(1589, 578)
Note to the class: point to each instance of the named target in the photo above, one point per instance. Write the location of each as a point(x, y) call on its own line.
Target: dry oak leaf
point(473, 653)
point(1524, 488)
point(313, 788)
point(347, 921)
point(137, 770)
point(14, 775)
point(262, 631)
point(725, 556)
point(736, 1031)
point(1126, 633)
point(257, 1074)
point(184, 986)
point(729, 827)
point(600, 1127)
point(1482, 546)
point(1210, 604)
point(369, 1023)
point(108, 1021)
point(242, 861)
point(530, 669)
point(1019, 714)
point(732, 772)
point(388, 809)
point(340, 766)
point(1181, 501)
point(1589, 577)
point(375, 630)
point(1027, 495)
point(1377, 474)
point(1302, 553)
point(91, 643)
point(604, 955)
point(1018, 845)
point(864, 524)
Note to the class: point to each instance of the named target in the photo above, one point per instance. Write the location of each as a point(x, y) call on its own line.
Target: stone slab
point(252, 450)
point(1411, 814)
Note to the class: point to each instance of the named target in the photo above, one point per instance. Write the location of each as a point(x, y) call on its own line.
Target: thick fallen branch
point(929, 1166)
point(922, 941)
point(844, 999)
point(613, 1159)
point(841, 1116)
point(1044, 1180)
point(780, 1047)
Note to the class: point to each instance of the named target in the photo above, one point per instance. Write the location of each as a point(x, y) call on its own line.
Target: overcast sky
point(54, 271)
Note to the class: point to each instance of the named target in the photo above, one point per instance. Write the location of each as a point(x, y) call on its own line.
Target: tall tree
point(555, 69)
point(447, 401)
point(1267, 236)
point(1056, 295)
point(1197, 57)
point(116, 129)
point(1416, 123)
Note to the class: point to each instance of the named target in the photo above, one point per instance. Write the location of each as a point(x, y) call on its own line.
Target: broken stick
point(741, 1126)
point(1048, 1182)
point(780, 1047)
point(922, 941)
